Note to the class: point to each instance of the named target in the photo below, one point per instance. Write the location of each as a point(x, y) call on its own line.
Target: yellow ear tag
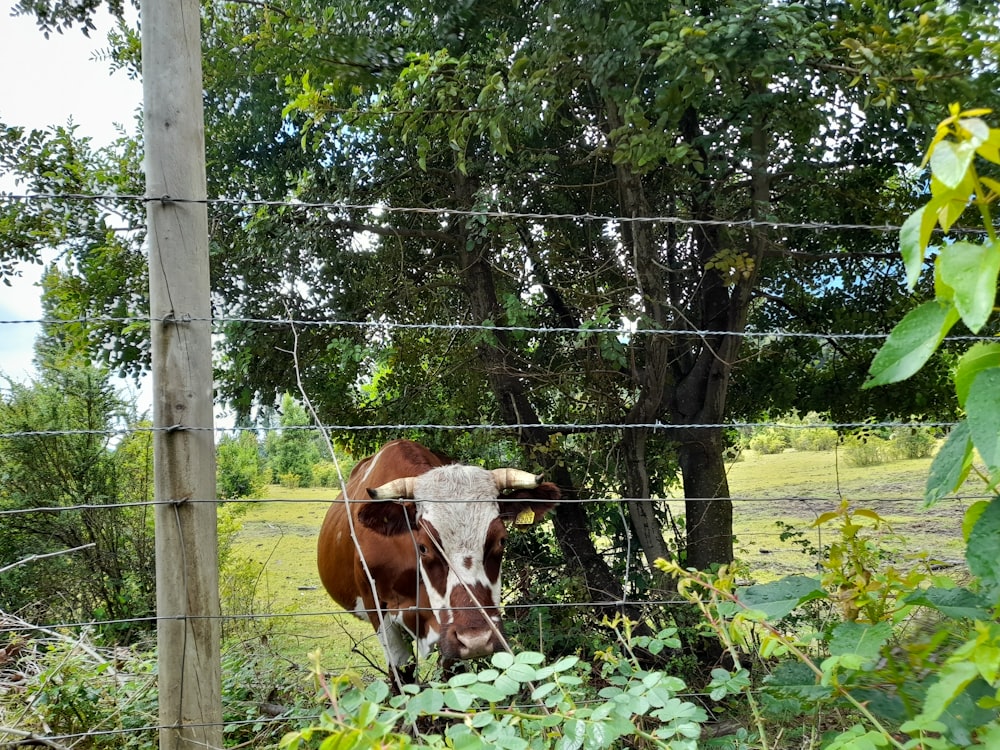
point(525, 518)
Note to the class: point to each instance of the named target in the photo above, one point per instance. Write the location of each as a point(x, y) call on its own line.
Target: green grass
point(277, 547)
point(277, 541)
point(797, 487)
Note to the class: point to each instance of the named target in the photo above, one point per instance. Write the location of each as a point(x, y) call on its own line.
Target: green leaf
point(911, 343)
point(982, 407)
point(529, 657)
point(794, 678)
point(573, 734)
point(981, 551)
point(913, 238)
point(427, 702)
point(857, 738)
point(952, 682)
point(542, 690)
point(860, 639)
point(458, 699)
point(463, 738)
point(506, 684)
point(950, 162)
point(521, 672)
point(779, 598)
point(971, 271)
point(487, 692)
point(502, 659)
point(951, 465)
point(979, 357)
point(958, 603)
point(463, 679)
point(971, 517)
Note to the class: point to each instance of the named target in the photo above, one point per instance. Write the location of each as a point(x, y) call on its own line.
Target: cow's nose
point(475, 643)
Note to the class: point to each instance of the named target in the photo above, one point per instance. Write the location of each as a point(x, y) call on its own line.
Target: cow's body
point(426, 569)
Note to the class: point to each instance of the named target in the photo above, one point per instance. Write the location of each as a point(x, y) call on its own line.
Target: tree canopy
point(460, 153)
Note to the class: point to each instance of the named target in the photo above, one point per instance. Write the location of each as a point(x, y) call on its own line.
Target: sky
point(46, 82)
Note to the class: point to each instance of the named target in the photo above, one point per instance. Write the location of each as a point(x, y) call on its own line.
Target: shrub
point(866, 450)
point(814, 439)
point(521, 701)
point(241, 470)
point(912, 442)
point(290, 480)
point(769, 440)
point(325, 474)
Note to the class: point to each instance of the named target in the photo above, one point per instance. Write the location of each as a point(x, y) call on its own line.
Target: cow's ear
point(528, 507)
point(389, 518)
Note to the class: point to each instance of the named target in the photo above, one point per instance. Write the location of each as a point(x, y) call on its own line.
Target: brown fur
point(386, 533)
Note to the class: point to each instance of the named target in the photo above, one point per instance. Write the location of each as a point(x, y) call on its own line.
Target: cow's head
point(458, 522)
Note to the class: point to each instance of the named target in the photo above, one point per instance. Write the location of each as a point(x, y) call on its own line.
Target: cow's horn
point(515, 479)
point(397, 488)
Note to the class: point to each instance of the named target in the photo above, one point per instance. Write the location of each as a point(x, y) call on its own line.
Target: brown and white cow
point(425, 566)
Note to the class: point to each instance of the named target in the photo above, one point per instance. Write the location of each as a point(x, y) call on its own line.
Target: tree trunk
point(652, 377)
point(571, 522)
point(707, 507)
point(703, 367)
point(642, 510)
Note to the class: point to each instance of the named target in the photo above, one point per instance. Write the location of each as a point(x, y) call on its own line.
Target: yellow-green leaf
point(982, 406)
point(950, 162)
point(950, 466)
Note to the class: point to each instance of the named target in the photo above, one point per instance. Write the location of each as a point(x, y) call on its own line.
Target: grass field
point(278, 537)
point(797, 487)
point(277, 545)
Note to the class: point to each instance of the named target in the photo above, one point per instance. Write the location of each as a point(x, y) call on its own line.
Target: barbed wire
point(477, 213)
point(739, 499)
point(467, 213)
point(481, 427)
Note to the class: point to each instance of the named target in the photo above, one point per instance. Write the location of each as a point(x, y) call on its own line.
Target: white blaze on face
point(459, 502)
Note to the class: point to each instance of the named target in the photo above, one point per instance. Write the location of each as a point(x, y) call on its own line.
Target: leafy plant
point(769, 441)
point(866, 450)
point(520, 701)
point(965, 285)
point(857, 570)
point(939, 688)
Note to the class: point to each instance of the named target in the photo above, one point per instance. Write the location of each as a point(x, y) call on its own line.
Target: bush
point(769, 440)
point(241, 470)
point(97, 697)
point(814, 439)
point(290, 480)
point(325, 474)
point(866, 450)
point(912, 442)
point(522, 701)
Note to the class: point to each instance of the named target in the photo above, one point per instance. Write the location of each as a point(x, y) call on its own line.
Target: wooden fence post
point(187, 576)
